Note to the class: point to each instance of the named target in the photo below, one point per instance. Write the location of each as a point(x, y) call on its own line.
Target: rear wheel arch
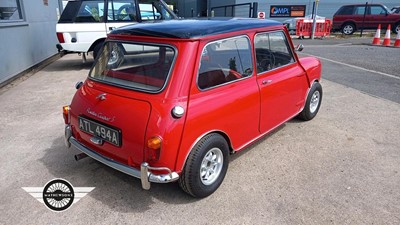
point(206, 165)
point(223, 134)
point(101, 40)
point(227, 139)
point(95, 47)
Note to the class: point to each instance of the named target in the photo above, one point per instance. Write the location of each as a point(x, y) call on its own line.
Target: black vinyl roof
point(193, 28)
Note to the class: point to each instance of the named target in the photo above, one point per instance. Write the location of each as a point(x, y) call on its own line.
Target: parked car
point(84, 24)
point(170, 101)
point(396, 9)
point(349, 18)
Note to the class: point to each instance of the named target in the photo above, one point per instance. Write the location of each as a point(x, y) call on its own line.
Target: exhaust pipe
point(80, 156)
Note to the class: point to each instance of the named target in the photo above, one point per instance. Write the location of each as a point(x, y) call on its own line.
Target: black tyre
point(396, 28)
point(116, 56)
point(348, 28)
point(205, 167)
point(313, 103)
point(96, 49)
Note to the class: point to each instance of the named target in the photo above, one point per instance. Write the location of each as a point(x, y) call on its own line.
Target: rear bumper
point(143, 174)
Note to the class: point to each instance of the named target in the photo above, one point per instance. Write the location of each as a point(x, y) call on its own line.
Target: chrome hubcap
point(113, 57)
point(314, 101)
point(347, 29)
point(211, 166)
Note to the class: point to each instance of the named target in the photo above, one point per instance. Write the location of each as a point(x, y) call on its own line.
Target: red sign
point(261, 15)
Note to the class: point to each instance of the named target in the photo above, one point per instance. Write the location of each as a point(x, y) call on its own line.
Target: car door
point(358, 17)
point(377, 15)
point(282, 81)
point(121, 13)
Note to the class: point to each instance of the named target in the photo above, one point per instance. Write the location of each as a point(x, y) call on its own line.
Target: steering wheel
point(123, 12)
point(268, 62)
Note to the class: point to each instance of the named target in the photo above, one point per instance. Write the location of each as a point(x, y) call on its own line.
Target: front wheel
point(205, 167)
point(313, 102)
point(396, 28)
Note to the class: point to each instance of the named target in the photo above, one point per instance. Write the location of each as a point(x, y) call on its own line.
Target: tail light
point(154, 148)
point(60, 37)
point(66, 114)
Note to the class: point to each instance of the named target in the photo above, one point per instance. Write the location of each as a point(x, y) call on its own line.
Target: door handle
point(111, 28)
point(265, 82)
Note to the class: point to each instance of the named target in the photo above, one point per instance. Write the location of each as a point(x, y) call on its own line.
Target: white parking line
point(355, 67)
point(334, 45)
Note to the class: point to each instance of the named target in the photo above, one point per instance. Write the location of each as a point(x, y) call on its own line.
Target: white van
point(84, 24)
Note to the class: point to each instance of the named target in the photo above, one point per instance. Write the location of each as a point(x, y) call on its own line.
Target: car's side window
point(377, 10)
point(360, 10)
point(121, 10)
point(346, 10)
point(225, 61)
point(90, 12)
point(272, 51)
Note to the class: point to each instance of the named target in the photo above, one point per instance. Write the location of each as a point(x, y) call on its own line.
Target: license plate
point(106, 133)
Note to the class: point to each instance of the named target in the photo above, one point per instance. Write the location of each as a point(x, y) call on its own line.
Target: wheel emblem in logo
point(58, 195)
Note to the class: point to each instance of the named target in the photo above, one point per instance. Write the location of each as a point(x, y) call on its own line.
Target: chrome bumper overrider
point(145, 176)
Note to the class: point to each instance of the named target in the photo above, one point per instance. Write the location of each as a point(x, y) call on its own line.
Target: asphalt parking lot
point(343, 167)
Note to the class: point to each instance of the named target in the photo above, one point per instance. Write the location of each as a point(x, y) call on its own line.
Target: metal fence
point(237, 10)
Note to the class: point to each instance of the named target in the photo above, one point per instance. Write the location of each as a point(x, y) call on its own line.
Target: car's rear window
point(345, 10)
point(70, 11)
point(136, 66)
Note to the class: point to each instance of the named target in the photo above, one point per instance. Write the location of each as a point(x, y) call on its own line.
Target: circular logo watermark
point(58, 195)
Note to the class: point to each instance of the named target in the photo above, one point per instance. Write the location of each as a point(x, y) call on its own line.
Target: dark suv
point(349, 18)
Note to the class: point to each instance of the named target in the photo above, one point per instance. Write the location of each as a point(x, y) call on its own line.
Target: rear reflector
point(154, 143)
point(60, 37)
point(66, 114)
point(154, 147)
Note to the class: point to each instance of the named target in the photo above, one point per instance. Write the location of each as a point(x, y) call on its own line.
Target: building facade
point(198, 8)
point(28, 27)
point(27, 34)
point(326, 8)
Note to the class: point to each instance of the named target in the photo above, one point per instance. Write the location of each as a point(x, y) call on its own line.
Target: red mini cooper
point(169, 101)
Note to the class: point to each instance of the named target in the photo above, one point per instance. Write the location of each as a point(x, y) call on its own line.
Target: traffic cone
point(397, 42)
point(386, 41)
point(377, 38)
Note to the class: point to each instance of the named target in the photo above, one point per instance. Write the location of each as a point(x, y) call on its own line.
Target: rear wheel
point(96, 49)
point(205, 167)
point(116, 56)
point(348, 28)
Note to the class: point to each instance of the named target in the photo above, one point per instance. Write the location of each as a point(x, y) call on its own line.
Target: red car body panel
point(241, 111)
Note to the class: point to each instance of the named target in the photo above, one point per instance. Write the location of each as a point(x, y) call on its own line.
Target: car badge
point(101, 97)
